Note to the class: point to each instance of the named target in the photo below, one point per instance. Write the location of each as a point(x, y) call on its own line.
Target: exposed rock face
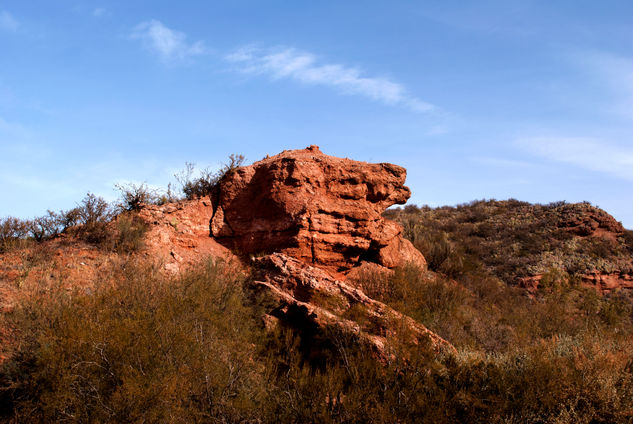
point(602, 282)
point(586, 220)
point(178, 233)
point(309, 297)
point(320, 209)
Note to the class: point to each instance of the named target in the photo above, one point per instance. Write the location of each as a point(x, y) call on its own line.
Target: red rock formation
point(309, 297)
point(320, 209)
point(602, 282)
point(586, 220)
point(178, 233)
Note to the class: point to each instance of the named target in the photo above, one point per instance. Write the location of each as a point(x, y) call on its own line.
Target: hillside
point(286, 291)
point(524, 244)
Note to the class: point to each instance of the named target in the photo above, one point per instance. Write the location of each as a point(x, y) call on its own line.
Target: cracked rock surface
point(320, 209)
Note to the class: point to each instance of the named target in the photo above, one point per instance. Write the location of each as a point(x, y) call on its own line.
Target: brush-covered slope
point(524, 244)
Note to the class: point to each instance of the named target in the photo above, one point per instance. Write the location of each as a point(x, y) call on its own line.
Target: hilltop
point(523, 244)
point(287, 291)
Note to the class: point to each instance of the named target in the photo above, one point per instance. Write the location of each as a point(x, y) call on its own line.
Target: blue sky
point(477, 99)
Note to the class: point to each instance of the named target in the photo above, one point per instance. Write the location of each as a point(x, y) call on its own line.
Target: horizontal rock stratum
point(320, 209)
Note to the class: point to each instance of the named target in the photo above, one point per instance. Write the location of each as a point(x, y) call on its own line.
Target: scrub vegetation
point(142, 346)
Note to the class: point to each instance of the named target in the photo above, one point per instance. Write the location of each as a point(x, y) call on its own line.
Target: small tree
point(46, 226)
point(12, 230)
point(207, 181)
point(134, 196)
point(94, 209)
point(93, 215)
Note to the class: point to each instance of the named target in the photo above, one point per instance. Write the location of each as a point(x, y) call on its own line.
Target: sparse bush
point(554, 279)
point(70, 218)
point(91, 218)
point(130, 232)
point(44, 227)
point(146, 350)
point(441, 254)
point(168, 196)
point(512, 239)
point(134, 196)
point(411, 209)
point(204, 184)
point(12, 230)
point(628, 240)
point(94, 209)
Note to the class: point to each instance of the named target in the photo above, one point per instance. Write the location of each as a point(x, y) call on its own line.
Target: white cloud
point(13, 129)
point(8, 22)
point(589, 153)
point(168, 44)
point(502, 162)
point(99, 12)
point(303, 67)
point(616, 74)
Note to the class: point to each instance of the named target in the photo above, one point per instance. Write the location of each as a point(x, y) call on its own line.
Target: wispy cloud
point(8, 22)
point(502, 162)
point(589, 153)
point(305, 68)
point(168, 44)
point(99, 12)
point(615, 72)
point(13, 129)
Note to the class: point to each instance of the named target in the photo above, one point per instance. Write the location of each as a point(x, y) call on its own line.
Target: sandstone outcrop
point(602, 282)
point(178, 233)
point(587, 220)
point(309, 297)
point(308, 219)
point(320, 209)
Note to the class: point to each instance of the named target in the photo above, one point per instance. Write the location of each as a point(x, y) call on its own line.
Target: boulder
point(320, 209)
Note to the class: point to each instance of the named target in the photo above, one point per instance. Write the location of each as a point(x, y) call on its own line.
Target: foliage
point(147, 350)
point(12, 230)
point(206, 181)
point(144, 347)
point(134, 196)
point(127, 235)
point(140, 346)
point(44, 227)
point(512, 239)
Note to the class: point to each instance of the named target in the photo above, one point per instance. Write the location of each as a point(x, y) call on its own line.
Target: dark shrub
point(134, 196)
point(92, 216)
point(12, 231)
point(205, 183)
point(44, 227)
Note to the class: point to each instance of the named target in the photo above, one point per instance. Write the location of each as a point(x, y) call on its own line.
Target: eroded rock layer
point(308, 297)
point(317, 208)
